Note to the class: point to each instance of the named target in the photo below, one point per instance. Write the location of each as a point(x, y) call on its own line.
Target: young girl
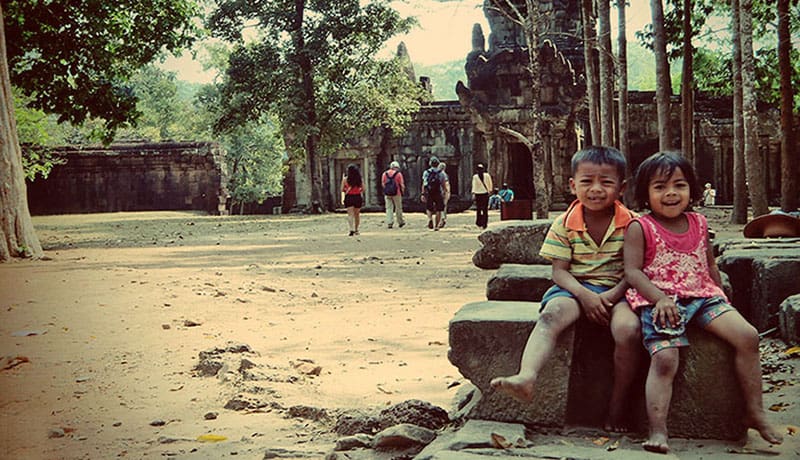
point(352, 188)
point(674, 282)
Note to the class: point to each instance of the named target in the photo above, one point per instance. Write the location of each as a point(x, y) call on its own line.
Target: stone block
point(789, 320)
point(487, 339)
point(519, 282)
point(512, 241)
point(762, 273)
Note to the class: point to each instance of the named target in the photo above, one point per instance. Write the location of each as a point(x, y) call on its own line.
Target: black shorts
point(355, 201)
point(434, 202)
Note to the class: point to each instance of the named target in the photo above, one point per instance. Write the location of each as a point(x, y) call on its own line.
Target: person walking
point(481, 185)
point(446, 187)
point(433, 193)
point(352, 186)
point(393, 188)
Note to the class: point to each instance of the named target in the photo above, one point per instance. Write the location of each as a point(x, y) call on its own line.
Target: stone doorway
point(520, 172)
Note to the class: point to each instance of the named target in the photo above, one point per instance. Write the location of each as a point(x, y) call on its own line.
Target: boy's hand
point(666, 313)
point(596, 307)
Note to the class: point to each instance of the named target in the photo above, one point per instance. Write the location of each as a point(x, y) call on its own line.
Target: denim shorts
point(558, 291)
point(693, 311)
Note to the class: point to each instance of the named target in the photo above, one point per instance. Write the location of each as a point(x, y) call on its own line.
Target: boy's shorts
point(558, 291)
point(694, 311)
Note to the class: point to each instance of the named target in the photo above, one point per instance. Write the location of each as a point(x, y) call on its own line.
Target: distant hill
point(641, 73)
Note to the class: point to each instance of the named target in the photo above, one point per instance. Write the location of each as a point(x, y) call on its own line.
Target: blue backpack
point(434, 185)
point(390, 187)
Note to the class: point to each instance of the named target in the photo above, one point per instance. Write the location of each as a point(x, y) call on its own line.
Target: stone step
point(511, 241)
point(487, 339)
point(520, 282)
point(763, 273)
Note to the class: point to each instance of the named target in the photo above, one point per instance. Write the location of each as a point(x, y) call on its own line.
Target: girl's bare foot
point(657, 443)
point(616, 425)
point(767, 431)
point(516, 386)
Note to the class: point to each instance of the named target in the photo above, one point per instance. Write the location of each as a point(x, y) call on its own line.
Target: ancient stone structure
point(133, 177)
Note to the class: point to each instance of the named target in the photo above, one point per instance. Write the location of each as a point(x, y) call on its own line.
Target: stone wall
point(132, 177)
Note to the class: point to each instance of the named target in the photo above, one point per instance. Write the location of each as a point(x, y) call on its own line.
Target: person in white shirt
point(481, 185)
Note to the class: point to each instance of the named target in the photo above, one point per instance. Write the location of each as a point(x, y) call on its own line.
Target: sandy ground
point(112, 325)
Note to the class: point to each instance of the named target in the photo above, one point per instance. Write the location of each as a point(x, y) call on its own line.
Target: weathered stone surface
point(403, 436)
point(357, 422)
point(789, 320)
point(474, 434)
point(513, 242)
point(486, 341)
point(352, 442)
point(762, 273)
point(519, 282)
point(416, 412)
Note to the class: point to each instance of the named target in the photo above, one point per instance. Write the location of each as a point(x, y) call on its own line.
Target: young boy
point(585, 247)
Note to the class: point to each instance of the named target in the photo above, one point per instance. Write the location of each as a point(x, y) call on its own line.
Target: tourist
point(709, 195)
point(585, 247)
point(506, 194)
point(494, 199)
point(352, 188)
point(675, 282)
point(393, 188)
point(446, 187)
point(433, 193)
point(481, 184)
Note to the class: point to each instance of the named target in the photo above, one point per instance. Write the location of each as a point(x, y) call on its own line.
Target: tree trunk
point(16, 226)
point(309, 111)
point(663, 85)
point(606, 73)
point(739, 214)
point(687, 87)
point(622, 67)
point(592, 76)
point(540, 179)
point(754, 165)
point(788, 155)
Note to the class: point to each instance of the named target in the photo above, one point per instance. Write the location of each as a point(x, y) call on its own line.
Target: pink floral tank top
point(676, 262)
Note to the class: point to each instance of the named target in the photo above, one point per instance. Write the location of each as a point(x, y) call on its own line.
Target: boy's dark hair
point(663, 163)
point(600, 155)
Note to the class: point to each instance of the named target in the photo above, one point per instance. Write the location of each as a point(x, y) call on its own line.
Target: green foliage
point(353, 92)
point(254, 157)
point(74, 58)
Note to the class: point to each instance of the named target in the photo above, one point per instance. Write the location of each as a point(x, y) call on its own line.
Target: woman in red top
point(352, 187)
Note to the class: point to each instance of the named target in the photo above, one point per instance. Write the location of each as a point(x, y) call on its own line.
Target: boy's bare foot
point(657, 443)
point(616, 425)
point(767, 431)
point(516, 386)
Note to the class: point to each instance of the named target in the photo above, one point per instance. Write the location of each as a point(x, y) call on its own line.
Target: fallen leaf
point(794, 351)
point(614, 446)
point(778, 407)
point(499, 442)
point(602, 440)
point(791, 430)
point(7, 362)
point(211, 438)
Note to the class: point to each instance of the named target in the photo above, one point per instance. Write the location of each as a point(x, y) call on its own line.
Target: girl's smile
point(669, 196)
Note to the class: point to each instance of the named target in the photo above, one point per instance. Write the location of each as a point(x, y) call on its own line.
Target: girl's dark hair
point(663, 164)
point(353, 176)
point(600, 155)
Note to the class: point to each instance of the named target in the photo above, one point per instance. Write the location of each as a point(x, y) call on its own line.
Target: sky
point(444, 33)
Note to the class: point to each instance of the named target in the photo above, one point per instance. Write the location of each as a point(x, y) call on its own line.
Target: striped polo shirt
point(568, 240)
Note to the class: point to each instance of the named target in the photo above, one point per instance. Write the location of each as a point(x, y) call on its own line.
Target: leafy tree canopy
point(354, 92)
point(74, 58)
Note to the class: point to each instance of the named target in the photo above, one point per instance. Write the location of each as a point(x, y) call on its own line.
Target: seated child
point(585, 246)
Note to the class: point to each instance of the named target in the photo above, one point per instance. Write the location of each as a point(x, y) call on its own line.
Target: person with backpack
point(433, 193)
point(393, 188)
point(481, 185)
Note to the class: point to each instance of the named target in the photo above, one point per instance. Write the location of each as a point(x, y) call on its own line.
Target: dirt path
point(113, 324)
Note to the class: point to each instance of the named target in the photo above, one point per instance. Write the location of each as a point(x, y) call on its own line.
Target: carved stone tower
point(498, 93)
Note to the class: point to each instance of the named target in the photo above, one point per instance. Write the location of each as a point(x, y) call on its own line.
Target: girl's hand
point(596, 307)
point(666, 312)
